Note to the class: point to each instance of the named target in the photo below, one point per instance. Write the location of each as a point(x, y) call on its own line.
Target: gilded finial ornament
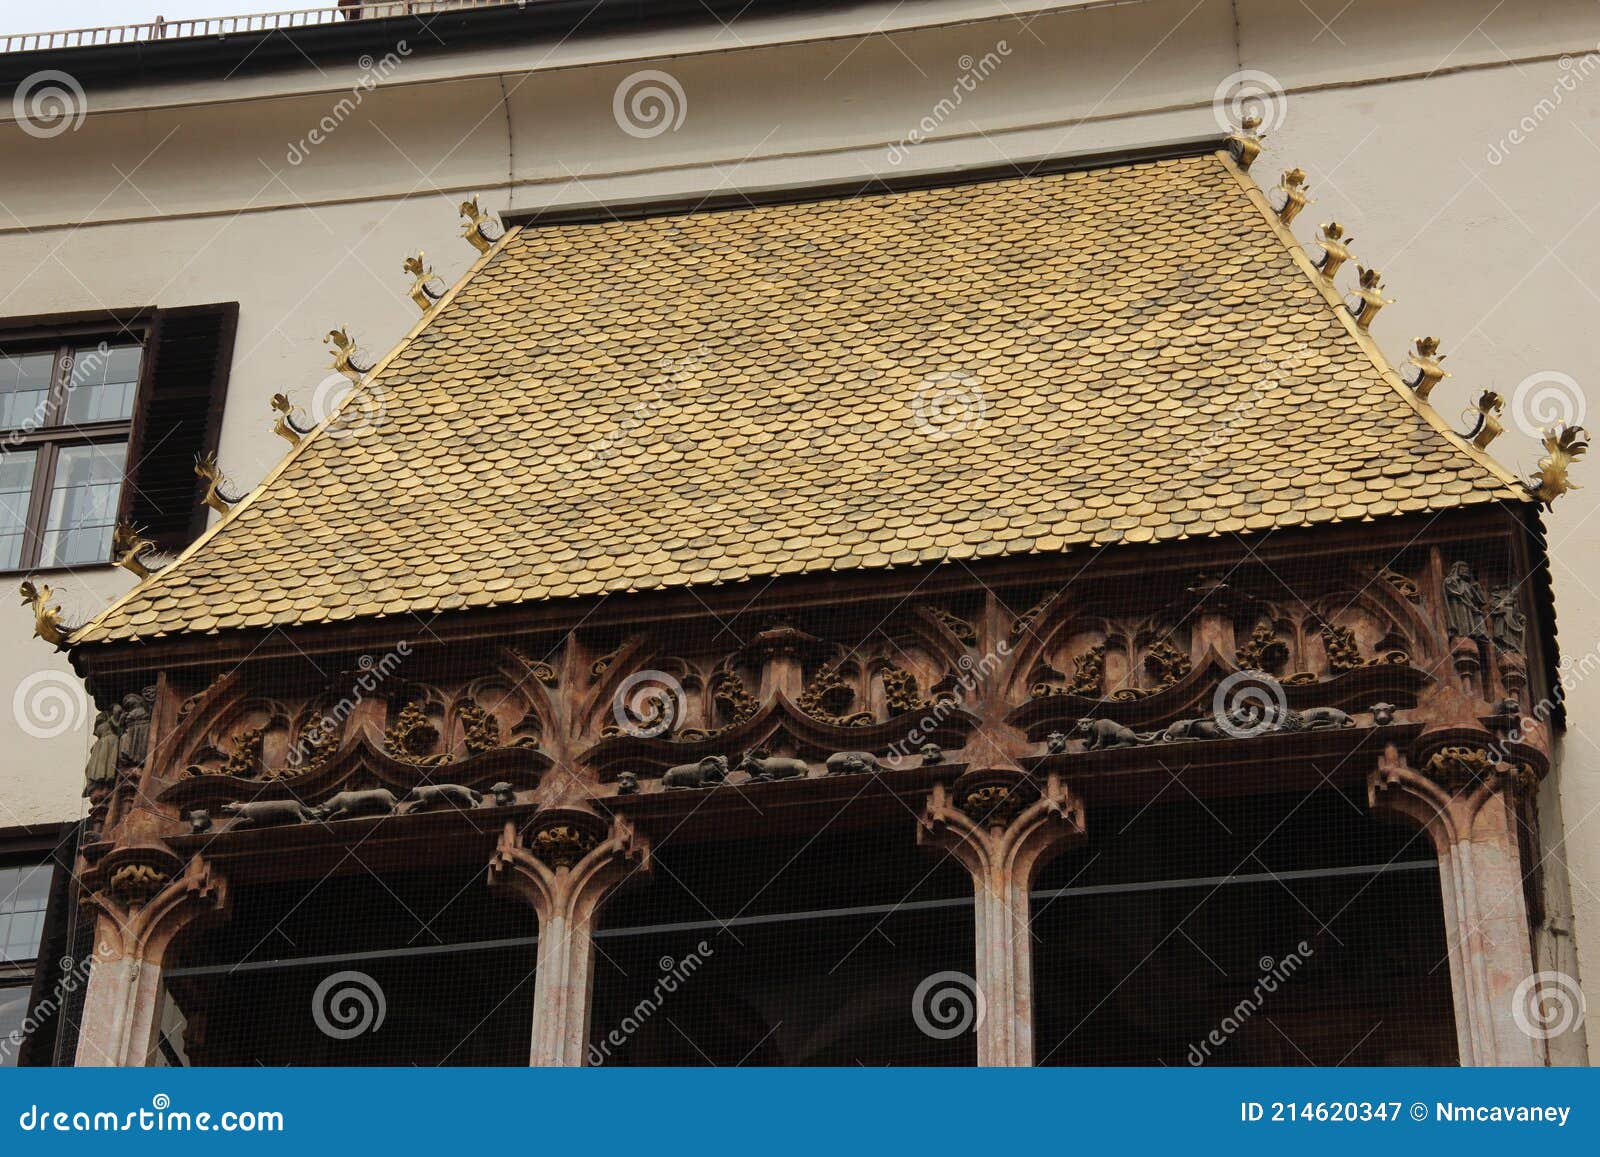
point(286, 427)
point(1427, 372)
point(1562, 444)
point(1245, 142)
point(1486, 427)
point(479, 228)
point(47, 623)
point(349, 359)
point(218, 497)
point(1292, 186)
point(1370, 297)
point(426, 289)
point(1335, 249)
point(128, 547)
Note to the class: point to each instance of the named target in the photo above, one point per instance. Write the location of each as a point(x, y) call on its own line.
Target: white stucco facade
point(1458, 141)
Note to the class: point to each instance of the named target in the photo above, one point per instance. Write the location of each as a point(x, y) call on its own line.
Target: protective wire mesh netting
point(1270, 930)
point(1275, 930)
point(1209, 915)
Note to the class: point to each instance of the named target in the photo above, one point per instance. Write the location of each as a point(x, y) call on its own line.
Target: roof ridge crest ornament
point(349, 359)
point(47, 619)
point(426, 289)
point(480, 229)
point(1426, 372)
point(286, 427)
point(1335, 249)
point(1486, 426)
point(1563, 445)
point(129, 547)
point(1360, 308)
point(1368, 298)
point(1291, 195)
point(217, 496)
point(1245, 141)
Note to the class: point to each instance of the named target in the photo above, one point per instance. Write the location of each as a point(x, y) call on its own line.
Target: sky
point(32, 16)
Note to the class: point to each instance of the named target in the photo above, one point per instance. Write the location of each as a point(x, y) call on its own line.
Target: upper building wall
point(788, 100)
point(1445, 135)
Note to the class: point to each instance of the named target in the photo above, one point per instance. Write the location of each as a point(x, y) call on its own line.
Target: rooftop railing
point(159, 29)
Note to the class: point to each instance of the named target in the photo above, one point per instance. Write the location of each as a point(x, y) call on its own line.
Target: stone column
point(137, 913)
point(1465, 799)
point(570, 863)
point(1003, 829)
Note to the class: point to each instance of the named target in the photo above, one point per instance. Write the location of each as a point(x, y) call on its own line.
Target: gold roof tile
point(1124, 355)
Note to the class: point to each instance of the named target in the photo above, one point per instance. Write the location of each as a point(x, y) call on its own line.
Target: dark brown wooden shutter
point(182, 390)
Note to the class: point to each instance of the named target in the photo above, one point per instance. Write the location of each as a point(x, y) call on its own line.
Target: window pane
point(24, 895)
point(102, 383)
point(16, 488)
point(83, 504)
point(13, 1011)
point(24, 388)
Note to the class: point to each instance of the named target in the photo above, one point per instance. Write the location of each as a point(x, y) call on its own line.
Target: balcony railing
point(159, 29)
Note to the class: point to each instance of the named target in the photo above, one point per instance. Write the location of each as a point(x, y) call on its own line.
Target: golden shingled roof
point(1116, 355)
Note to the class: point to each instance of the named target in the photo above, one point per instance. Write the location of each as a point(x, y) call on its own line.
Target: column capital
point(566, 861)
point(144, 896)
point(141, 901)
point(1448, 793)
point(1002, 822)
